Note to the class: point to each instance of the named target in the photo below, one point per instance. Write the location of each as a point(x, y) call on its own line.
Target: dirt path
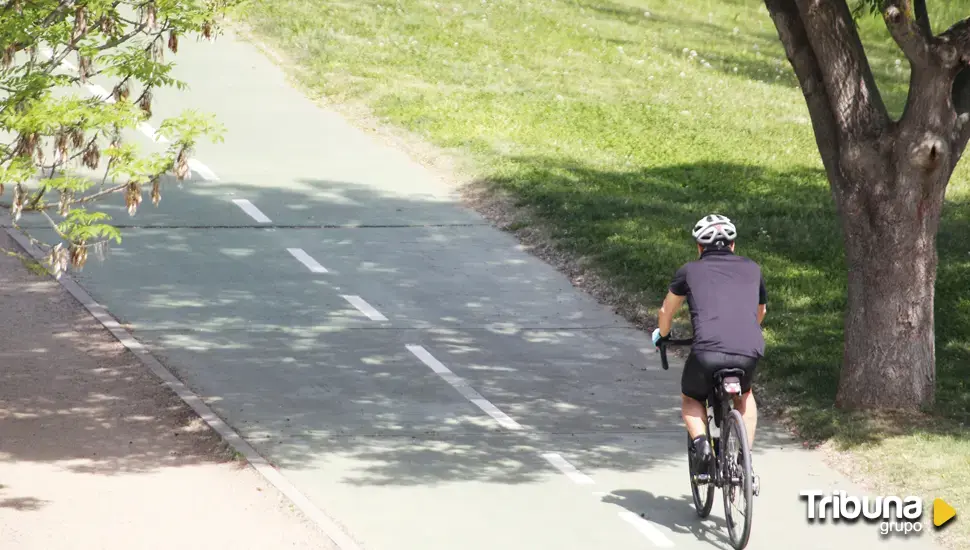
point(96, 453)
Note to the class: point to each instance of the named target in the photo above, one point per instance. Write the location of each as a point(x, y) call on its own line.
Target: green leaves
point(82, 226)
point(866, 7)
point(57, 136)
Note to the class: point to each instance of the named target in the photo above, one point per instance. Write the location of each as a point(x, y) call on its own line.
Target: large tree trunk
point(890, 244)
point(888, 181)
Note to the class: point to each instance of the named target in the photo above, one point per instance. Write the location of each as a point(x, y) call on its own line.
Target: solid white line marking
point(467, 391)
point(307, 260)
point(568, 469)
point(646, 529)
point(364, 307)
point(331, 528)
point(251, 209)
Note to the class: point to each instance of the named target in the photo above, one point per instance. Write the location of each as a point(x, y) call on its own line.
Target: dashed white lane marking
point(145, 128)
point(463, 388)
point(568, 469)
point(202, 169)
point(647, 529)
point(307, 260)
point(364, 307)
point(251, 209)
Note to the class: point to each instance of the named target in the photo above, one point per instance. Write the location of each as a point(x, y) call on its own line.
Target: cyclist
point(727, 298)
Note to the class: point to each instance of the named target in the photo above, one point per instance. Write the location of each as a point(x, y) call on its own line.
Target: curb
point(330, 528)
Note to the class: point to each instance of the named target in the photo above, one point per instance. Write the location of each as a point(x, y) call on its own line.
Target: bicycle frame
point(728, 475)
point(718, 405)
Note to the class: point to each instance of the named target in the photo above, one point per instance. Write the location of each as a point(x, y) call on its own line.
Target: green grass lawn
point(619, 123)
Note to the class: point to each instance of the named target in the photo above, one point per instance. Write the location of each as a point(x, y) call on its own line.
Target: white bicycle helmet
point(714, 227)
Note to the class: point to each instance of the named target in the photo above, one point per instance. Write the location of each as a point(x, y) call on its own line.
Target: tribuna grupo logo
point(894, 514)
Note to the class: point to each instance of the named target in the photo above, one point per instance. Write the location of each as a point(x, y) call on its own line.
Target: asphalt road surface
point(410, 369)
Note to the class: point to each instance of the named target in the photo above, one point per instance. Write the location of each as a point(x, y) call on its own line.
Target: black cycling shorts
point(698, 378)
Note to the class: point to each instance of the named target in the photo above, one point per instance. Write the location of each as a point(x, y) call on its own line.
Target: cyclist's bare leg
point(693, 413)
point(745, 405)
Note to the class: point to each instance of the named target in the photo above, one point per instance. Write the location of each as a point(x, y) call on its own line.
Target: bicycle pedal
point(702, 479)
point(756, 485)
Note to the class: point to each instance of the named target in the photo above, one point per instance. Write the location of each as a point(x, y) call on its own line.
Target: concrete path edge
point(337, 534)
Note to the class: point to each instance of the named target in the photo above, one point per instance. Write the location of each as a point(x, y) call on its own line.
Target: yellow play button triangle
point(942, 512)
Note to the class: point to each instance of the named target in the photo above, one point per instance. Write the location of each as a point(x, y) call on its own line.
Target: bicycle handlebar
point(663, 349)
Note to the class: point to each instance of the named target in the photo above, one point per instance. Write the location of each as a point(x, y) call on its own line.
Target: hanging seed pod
point(30, 144)
point(2, 188)
point(132, 197)
point(53, 260)
point(19, 197)
point(182, 164)
point(121, 91)
point(149, 18)
point(107, 25)
point(60, 146)
point(6, 57)
point(80, 23)
point(173, 42)
point(116, 138)
point(26, 144)
point(79, 255)
point(84, 67)
point(61, 259)
point(92, 156)
point(146, 103)
point(77, 138)
point(64, 205)
point(207, 30)
point(156, 191)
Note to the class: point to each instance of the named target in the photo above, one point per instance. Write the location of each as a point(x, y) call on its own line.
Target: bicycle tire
point(735, 429)
point(704, 507)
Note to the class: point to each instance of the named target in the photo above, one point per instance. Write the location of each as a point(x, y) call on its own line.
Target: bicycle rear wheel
point(736, 462)
point(703, 493)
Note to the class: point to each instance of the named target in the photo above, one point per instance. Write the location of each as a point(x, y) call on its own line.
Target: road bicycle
point(730, 471)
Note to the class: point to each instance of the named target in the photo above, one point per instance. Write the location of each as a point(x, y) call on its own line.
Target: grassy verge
point(614, 125)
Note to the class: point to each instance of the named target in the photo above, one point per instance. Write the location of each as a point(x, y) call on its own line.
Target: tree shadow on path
point(677, 514)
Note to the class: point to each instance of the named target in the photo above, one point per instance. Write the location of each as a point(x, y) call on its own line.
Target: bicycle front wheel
point(737, 488)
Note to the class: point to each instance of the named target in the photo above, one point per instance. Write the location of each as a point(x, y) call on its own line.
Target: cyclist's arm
point(676, 293)
point(762, 301)
point(666, 316)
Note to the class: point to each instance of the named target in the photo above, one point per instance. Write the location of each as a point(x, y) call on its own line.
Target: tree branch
point(99, 194)
point(82, 200)
point(794, 37)
point(961, 104)
point(55, 58)
point(58, 11)
point(117, 41)
point(955, 44)
point(923, 17)
point(908, 31)
point(854, 97)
